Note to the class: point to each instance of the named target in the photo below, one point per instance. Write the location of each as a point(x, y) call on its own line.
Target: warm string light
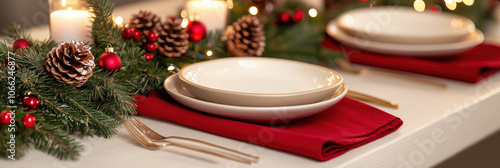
point(119, 20)
point(230, 4)
point(313, 12)
point(419, 5)
point(209, 53)
point(253, 10)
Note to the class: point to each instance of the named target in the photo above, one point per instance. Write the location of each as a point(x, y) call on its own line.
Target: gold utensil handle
point(205, 147)
point(371, 99)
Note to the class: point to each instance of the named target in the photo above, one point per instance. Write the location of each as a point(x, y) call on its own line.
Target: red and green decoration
point(110, 61)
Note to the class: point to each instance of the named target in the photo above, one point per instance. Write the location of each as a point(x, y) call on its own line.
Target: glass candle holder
point(69, 20)
point(212, 13)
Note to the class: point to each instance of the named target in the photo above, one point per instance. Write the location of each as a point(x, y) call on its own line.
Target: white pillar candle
point(212, 13)
point(67, 25)
point(317, 4)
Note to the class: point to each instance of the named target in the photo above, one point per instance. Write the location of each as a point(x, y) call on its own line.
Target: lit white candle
point(67, 25)
point(213, 14)
point(317, 4)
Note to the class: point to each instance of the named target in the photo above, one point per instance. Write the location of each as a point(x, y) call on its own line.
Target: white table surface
point(438, 123)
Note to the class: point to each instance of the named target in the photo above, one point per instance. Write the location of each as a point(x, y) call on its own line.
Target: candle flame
point(253, 10)
point(63, 3)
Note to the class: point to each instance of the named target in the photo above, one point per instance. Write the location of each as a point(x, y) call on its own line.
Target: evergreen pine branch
point(55, 142)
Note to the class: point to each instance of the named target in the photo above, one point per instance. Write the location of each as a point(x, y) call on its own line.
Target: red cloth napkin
point(471, 66)
point(345, 126)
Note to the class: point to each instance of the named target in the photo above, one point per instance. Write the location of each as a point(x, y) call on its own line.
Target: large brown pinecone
point(172, 38)
point(144, 21)
point(246, 37)
point(70, 63)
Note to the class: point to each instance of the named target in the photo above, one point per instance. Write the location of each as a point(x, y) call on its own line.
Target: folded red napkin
point(471, 66)
point(344, 126)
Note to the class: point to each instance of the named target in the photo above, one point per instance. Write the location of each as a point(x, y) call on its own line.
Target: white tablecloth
point(437, 124)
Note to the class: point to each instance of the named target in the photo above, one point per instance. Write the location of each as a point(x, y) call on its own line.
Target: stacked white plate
point(257, 89)
point(397, 30)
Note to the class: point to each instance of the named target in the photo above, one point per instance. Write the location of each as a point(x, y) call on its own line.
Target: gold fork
point(195, 145)
point(346, 65)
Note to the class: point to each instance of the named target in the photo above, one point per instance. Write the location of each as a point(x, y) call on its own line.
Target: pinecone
point(70, 63)
point(172, 38)
point(144, 21)
point(246, 37)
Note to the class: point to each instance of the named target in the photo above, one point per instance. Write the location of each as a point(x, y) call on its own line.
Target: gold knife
point(371, 99)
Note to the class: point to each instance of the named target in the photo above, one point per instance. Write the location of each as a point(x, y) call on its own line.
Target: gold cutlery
point(142, 133)
point(371, 99)
point(346, 65)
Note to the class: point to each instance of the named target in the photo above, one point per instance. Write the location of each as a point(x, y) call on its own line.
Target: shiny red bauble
point(196, 30)
point(148, 56)
point(151, 47)
point(5, 117)
point(137, 35)
point(29, 120)
point(21, 43)
point(151, 36)
point(127, 33)
point(30, 102)
point(298, 16)
point(110, 62)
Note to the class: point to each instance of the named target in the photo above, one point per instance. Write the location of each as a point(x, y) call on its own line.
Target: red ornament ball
point(110, 61)
point(30, 102)
point(284, 17)
point(196, 30)
point(151, 47)
point(29, 120)
point(298, 15)
point(137, 35)
point(148, 56)
point(5, 117)
point(127, 33)
point(151, 36)
point(435, 8)
point(21, 43)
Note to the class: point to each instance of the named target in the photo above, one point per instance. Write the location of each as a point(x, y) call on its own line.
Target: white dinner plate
point(429, 50)
point(397, 24)
point(259, 81)
point(281, 114)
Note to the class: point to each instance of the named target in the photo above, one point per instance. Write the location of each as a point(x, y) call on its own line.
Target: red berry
point(151, 36)
point(29, 121)
point(298, 15)
point(5, 117)
point(30, 102)
point(137, 34)
point(151, 47)
point(21, 43)
point(148, 56)
point(127, 33)
point(284, 17)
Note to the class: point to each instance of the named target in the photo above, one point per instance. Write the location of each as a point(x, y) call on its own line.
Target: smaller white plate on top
point(428, 50)
point(281, 114)
point(396, 24)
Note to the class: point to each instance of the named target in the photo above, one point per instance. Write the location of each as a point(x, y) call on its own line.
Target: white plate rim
point(253, 114)
point(339, 79)
point(444, 49)
point(396, 11)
